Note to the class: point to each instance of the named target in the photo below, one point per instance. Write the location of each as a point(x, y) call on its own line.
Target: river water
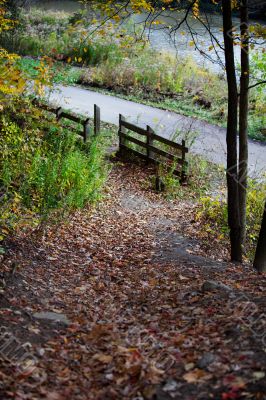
point(180, 43)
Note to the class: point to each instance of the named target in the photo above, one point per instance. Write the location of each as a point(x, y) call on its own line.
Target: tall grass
point(47, 169)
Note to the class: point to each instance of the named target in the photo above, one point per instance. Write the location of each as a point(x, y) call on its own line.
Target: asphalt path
point(209, 140)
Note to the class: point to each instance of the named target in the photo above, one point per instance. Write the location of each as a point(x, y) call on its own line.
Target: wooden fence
point(151, 150)
point(61, 114)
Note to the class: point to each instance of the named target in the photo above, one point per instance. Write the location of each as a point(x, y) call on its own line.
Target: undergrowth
point(212, 217)
point(45, 170)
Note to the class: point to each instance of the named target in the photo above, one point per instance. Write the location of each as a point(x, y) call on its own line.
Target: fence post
point(183, 170)
point(122, 130)
point(86, 130)
point(149, 142)
point(58, 113)
point(97, 120)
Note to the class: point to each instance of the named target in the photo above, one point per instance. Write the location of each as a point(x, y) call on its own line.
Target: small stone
point(210, 286)
point(189, 366)
point(52, 316)
point(258, 375)
point(41, 352)
point(206, 360)
point(170, 386)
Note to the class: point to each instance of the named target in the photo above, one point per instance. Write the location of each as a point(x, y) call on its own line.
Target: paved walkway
point(210, 141)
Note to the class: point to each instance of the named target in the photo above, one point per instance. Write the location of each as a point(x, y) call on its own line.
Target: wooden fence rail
point(62, 114)
point(151, 149)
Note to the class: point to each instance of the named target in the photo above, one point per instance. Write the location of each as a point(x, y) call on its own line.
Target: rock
point(52, 316)
point(258, 375)
point(206, 360)
point(170, 386)
point(189, 366)
point(210, 286)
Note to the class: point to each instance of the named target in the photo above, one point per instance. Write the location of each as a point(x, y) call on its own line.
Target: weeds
point(212, 215)
point(46, 169)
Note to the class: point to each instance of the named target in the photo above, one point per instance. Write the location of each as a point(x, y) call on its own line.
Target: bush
point(46, 169)
point(212, 214)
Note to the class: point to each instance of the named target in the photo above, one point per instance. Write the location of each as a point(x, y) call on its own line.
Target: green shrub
point(46, 170)
point(212, 213)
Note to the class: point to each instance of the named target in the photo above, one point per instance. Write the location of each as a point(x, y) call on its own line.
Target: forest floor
point(121, 303)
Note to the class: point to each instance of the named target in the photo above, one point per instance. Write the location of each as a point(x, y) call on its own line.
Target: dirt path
point(210, 142)
point(135, 321)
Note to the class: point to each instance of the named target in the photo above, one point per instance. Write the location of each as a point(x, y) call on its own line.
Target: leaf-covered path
point(139, 321)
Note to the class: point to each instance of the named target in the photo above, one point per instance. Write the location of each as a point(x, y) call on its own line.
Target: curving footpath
point(210, 141)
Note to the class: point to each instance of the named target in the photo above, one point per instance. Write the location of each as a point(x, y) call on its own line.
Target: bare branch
point(257, 84)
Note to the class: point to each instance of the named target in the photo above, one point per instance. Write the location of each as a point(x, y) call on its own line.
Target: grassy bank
point(45, 170)
point(112, 60)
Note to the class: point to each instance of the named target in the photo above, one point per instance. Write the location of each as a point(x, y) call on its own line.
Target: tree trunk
point(260, 257)
point(231, 137)
point(243, 119)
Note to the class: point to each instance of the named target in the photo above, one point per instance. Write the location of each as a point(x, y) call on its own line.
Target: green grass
point(61, 73)
point(212, 216)
point(46, 169)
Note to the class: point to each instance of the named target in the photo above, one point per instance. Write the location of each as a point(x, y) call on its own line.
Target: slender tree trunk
point(231, 137)
point(260, 257)
point(243, 118)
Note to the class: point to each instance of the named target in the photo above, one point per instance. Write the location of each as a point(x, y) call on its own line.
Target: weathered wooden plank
point(71, 117)
point(135, 152)
point(133, 140)
point(44, 106)
point(144, 157)
point(184, 163)
point(166, 155)
point(149, 141)
point(121, 130)
point(134, 128)
point(169, 143)
point(86, 129)
point(97, 120)
point(153, 149)
point(58, 113)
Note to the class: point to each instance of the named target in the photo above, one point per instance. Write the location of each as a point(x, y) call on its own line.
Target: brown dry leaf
point(196, 375)
point(54, 396)
point(104, 358)
point(155, 374)
point(183, 278)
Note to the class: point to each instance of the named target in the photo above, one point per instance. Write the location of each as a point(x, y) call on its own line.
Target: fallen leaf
point(104, 358)
point(196, 375)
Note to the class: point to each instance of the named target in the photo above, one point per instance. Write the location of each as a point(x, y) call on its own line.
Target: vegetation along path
point(210, 140)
